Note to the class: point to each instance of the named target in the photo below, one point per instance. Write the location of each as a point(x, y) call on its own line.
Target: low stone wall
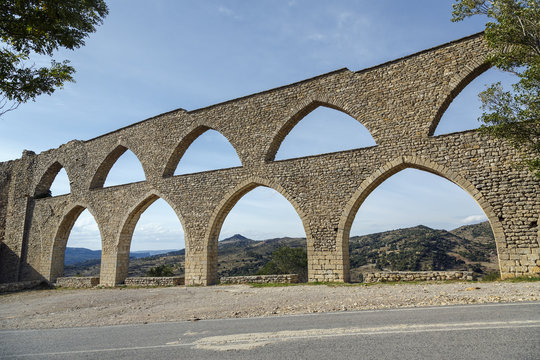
point(417, 276)
point(77, 282)
point(261, 279)
point(155, 281)
point(21, 285)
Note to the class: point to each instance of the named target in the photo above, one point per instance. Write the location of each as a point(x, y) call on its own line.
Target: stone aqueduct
point(399, 102)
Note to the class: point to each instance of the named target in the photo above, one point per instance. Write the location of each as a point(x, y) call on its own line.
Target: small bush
point(477, 268)
point(286, 260)
point(160, 270)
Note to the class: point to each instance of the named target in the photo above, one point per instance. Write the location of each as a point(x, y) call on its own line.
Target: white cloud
point(473, 219)
point(343, 18)
point(155, 228)
point(86, 222)
point(316, 37)
point(226, 11)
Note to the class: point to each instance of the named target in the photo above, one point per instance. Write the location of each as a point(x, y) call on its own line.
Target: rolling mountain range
point(470, 247)
point(79, 255)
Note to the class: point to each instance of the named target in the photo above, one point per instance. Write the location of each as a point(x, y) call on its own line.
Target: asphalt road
point(497, 331)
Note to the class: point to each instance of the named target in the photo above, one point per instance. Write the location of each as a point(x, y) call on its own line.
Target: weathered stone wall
point(19, 213)
point(77, 282)
point(155, 281)
point(261, 279)
point(417, 276)
point(21, 285)
point(399, 102)
point(5, 185)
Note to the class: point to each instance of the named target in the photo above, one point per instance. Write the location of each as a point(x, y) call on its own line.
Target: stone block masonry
point(22, 285)
point(77, 282)
point(261, 279)
point(155, 281)
point(399, 102)
point(417, 276)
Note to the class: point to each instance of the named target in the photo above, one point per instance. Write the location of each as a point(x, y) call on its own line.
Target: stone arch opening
point(464, 110)
point(214, 152)
point(325, 116)
point(102, 173)
point(225, 207)
point(61, 184)
point(457, 84)
point(58, 251)
point(158, 229)
point(55, 173)
point(324, 130)
point(126, 234)
point(392, 168)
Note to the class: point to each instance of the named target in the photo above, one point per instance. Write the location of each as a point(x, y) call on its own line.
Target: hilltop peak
point(423, 227)
point(235, 237)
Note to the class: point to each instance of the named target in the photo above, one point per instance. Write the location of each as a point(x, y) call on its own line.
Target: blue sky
point(151, 57)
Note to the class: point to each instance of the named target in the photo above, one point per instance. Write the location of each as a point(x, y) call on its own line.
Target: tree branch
point(4, 108)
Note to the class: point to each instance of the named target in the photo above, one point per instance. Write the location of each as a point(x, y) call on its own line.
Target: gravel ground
point(58, 308)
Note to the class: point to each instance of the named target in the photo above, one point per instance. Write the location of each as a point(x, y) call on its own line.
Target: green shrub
point(160, 270)
point(286, 260)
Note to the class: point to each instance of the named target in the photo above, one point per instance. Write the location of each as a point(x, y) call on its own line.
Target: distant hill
point(477, 232)
point(421, 248)
point(147, 253)
point(78, 255)
point(470, 247)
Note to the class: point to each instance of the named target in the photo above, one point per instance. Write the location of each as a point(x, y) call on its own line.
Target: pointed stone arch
point(98, 180)
point(295, 116)
point(129, 222)
point(458, 82)
point(55, 261)
point(44, 184)
point(390, 169)
point(185, 143)
point(226, 205)
point(134, 213)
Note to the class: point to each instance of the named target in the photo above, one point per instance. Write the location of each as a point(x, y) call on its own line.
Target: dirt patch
point(96, 307)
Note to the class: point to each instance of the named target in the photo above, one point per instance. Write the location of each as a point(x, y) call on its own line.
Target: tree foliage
point(33, 28)
point(286, 260)
point(160, 270)
point(514, 37)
